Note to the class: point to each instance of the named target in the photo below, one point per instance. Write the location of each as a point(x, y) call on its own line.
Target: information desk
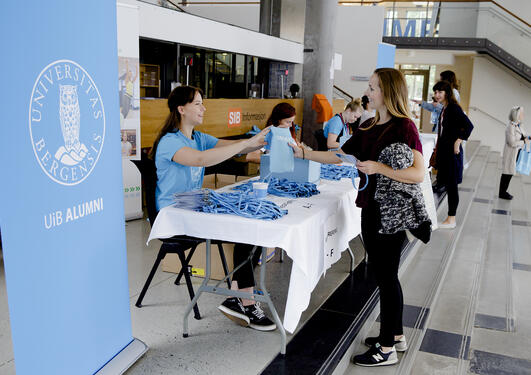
point(313, 234)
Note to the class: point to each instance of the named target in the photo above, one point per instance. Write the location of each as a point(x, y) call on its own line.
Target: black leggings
point(244, 276)
point(384, 258)
point(453, 198)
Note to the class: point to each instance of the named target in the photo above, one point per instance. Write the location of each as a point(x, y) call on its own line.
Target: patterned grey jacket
point(401, 205)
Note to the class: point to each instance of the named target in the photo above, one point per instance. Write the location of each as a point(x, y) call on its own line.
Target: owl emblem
point(73, 150)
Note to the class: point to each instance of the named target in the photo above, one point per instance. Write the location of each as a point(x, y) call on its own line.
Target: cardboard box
point(304, 170)
point(171, 262)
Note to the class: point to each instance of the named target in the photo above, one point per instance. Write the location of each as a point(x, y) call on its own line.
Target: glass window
point(240, 69)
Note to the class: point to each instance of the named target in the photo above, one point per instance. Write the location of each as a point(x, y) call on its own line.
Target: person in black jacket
point(456, 127)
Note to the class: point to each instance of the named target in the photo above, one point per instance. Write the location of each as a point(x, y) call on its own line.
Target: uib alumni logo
point(66, 122)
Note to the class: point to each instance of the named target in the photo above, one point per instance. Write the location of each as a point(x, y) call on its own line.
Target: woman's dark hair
point(450, 77)
point(364, 101)
point(180, 96)
point(280, 112)
point(447, 88)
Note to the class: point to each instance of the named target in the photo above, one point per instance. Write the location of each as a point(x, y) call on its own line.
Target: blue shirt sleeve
point(334, 126)
point(432, 108)
point(167, 147)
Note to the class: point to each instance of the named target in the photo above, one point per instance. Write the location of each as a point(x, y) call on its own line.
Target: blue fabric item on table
point(283, 188)
point(337, 172)
point(241, 204)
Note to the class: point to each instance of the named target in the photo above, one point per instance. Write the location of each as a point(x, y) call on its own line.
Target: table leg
point(351, 259)
point(270, 303)
point(199, 291)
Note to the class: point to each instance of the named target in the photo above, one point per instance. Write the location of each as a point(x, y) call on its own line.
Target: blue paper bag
point(282, 159)
point(523, 164)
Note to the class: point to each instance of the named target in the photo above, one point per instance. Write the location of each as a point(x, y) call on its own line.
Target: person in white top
point(515, 139)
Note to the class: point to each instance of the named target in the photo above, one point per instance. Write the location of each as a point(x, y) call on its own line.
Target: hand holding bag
point(523, 164)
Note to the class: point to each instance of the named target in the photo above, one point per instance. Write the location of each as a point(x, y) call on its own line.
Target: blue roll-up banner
point(61, 201)
point(386, 55)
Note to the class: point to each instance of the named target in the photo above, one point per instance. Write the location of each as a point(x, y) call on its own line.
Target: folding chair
point(174, 245)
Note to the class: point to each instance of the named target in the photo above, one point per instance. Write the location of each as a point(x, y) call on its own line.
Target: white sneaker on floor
point(446, 226)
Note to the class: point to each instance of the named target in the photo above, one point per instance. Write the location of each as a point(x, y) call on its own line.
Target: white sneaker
point(446, 226)
point(400, 344)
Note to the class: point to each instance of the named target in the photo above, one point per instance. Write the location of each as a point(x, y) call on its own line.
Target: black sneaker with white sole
point(376, 357)
point(258, 319)
point(400, 344)
point(233, 309)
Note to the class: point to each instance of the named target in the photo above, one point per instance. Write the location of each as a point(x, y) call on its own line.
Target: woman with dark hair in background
point(450, 77)
point(181, 155)
point(282, 116)
point(515, 138)
point(455, 128)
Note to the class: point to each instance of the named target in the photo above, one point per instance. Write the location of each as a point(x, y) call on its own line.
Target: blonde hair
point(394, 93)
point(354, 105)
point(515, 113)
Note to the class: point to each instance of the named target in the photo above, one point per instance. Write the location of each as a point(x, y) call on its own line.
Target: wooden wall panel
point(153, 112)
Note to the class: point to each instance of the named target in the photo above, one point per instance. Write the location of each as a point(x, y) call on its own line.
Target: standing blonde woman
point(515, 138)
point(388, 96)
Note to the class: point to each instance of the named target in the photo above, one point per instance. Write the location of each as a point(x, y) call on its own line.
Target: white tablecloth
point(313, 233)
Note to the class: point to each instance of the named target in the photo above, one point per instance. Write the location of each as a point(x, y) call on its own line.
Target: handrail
point(511, 13)
point(344, 93)
point(488, 114)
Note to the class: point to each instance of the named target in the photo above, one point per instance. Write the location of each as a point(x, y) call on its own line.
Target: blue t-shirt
point(173, 177)
point(334, 126)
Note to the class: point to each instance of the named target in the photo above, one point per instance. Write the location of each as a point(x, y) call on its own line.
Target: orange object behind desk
point(323, 108)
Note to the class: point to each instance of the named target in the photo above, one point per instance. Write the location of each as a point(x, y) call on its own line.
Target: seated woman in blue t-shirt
point(181, 155)
point(336, 130)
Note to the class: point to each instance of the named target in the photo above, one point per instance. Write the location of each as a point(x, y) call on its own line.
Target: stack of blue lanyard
point(337, 172)
point(240, 204)
point(283, 188)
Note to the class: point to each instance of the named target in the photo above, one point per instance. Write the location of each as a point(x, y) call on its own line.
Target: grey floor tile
point(449, 315)
point(521, 244)
point(522, 267)
point(486, 363)
point(501, 212)
point(443, 343)
point(493, 293)
point(522, 294)
point(433, 364)
point(514, 344)
point(491, 322)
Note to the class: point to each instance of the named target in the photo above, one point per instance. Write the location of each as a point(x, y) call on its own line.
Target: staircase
point(466, 293)
point(479, 45)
